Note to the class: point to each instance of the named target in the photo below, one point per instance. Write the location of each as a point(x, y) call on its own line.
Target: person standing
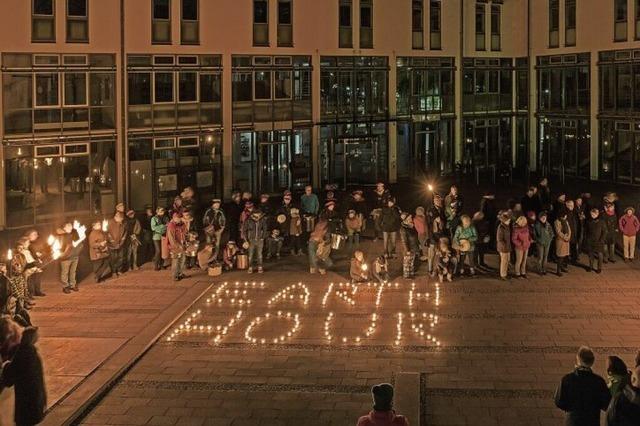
point(117, 234)
point(134, 232)
point(309, 202)
point(544, 193)
point(464, 241)
point(70, 249)
point(159, 228)
point(319, 248)
point(22, 369)
point(611, 226)
point(629, 227)
point(255, 231)
point(380, 197)
point(176, 238)
point(295, 232)
point(383, 413)
point(617, 375)
point(99, 252)
point(390, 224)
point(214, 223)
point(37, 248)
point(574, 221)
point(147, 234)
point(531, 202)
point(232, 212)
point(521, 239)
point(582, 394)
point(624, 409)
point(543, 236)
point(595, 238)
point(503, 244)
point(563, 238)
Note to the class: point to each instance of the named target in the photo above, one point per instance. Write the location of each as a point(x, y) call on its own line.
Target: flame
point(9, 254)
point(56, 249)
point(50, 240)
point(105, 225)
point(365, 267)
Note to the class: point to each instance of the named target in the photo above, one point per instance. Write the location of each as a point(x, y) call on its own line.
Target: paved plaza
point(289, 348)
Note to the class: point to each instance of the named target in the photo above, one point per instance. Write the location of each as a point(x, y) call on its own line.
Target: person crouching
point(359, 270)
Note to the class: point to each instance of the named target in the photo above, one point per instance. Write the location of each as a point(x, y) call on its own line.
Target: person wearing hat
point(503, 243)
point(229, 256)
point(611, 225)
point(563, 238)
point(521, 240)
point(159, 224)
point(99, 252)
point(596, 235)
point(177, 239)
point(255, 231)
point(246, 213)
point(543, 236)
point(629, 227)
point(357, 203)
point(353, 225)
point(383, 413)
point(284, 212)
point(267, 210)
point(380, 197)
point(214, 223)
point(118, 239)
point(331, 215)
point(295, 232)
point(464, 241)
point(134, 230)
point(390, 223)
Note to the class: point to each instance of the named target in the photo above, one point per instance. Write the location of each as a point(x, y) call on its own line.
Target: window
point(345, 24)
point(480, 26)
point(283, 85)
point(77, 21)
point(75, 89)
point(366, 24)
point(262, 86)
point(620, 24)
point(188, 86)
point(417, 24)
point(260, 22)
point(554, 23)
point(210, 88)
point(161, 22)
point(46, 90)
point(43, 21)
point(163, 87)
point(139, 88)
point(242, 83)
point(570, 23)
point(189, 24)
point(495, 26)
point(637, 30)
point(285, 23)
point(435, 25)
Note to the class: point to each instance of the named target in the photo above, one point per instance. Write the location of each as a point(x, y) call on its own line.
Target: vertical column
point(227, 125)
point(392, 127)
point(458, 85)
point(595, 128)
point(315, 116)
point(514, 115)
point(533, 108)
point(122, 151)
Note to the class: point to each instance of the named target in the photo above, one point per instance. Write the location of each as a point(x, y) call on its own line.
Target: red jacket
point(176, 237)
point(382, 418)
point(520, 237)
point(420, 223)
point(629, 226)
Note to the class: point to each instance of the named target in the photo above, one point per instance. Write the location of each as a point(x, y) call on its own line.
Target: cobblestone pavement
point(491, 353)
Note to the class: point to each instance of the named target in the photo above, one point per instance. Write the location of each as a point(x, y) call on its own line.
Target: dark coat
point(531, 204)
point(25, 373)
point(582, 395)
point(611, 227)
point(255, 229)
point(572, 219)
point(624, 409)
point(390, 219)
point(503, 238)
point(595, 235)
point(409, 238)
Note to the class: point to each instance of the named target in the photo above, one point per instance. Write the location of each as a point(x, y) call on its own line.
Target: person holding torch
point(71, 237)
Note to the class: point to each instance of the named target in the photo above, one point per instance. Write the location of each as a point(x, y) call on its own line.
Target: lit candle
point(9, 254)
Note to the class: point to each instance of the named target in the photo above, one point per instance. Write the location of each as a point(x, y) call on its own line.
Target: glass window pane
point(624, 89)
point(365, 17)
point(190, 10)
point(20, 186)
point(77, 8)
point(43, 7)
point(262, 89)
point(140, 88)
point(284, 12)
point(102, 89)
point(209, 87)
point(161, 9)
point(47, 90)
point(345, 14)
point(163, 87)
point(260, 12)
point(75, 89)
point(283, 85)
point(187, 84)
point(416, 15)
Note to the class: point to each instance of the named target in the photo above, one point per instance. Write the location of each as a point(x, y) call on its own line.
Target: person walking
point(390, 223)
point(503, 244)
point(383, 413)
point(159, 224)
point(624, 409)
point(255, 232)
point(629, 227)
point(99, 252)
point(563, 238)
point(611, 226)
point(521, 239)
point(595, 239)
point(543, 236)
point(582, 394)
point(177, 238)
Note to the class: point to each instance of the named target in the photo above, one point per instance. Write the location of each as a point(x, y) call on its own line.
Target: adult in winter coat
point(503, 243)
point(117, 235)
point(177, 239)
point(22, 369)
point(482, 246)
point(319, 248)
point(464, 241)
point(543, 236)
point(629, 227)
point(611, 225)
point(233, 211)
point(390, 223)
point(409, 235)
point(159, 224)
point(71, 247)
point(380, 197)
point(521, 240)
point(255, 232)
point(624, 409)
point(563, 238)
point(574, 224)
point(382, 414)
point(99, 252)
point(617, 375)
point(134, 242)
point(544, 193)
point(594, 239)
point(309, 202)
point(214, 223)
point(582, 394)
point(531, 202)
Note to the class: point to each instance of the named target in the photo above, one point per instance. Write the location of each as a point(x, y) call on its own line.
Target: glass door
point(427, 153)
point(360, 161)
point(274, 166)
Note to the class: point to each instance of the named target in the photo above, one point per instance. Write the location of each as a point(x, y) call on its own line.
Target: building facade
point(117, 100)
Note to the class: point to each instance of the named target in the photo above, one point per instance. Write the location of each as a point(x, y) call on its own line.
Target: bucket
point(214, 271)
point(337, 240)
point(243, 261)
point(309, 223)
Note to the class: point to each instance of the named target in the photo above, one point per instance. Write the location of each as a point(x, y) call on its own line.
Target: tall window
point(345, 23)
point(260, 22)
point(43, 21)
point(417, 24)
point(285, 23)
point(554, 23)
point(480, 26)
point(161, 22)
point(637, 30)
point(570, 22)
point(620, 24)
point(366, 24)
point(435, 28)
point(495, 26)
point(77, 21)
point(189, 22)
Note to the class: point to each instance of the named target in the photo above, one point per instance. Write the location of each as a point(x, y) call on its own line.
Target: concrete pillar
point(392, 127)
point(227, 126)
point(595, 128)
point(315, 115)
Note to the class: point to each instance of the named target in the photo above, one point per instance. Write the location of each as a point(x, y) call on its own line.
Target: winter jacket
point(214, 217)
point(503, 238)
point(611, 227)
point(295, 226)
point(563, 237)
point(483, 230)
point(159, 226)
point(521, 237)
point(629, 225)
point(420, 223)
point(117, 234)
point(468, 233)
point(176, 236)
point(380, 199)
point(67, 249)
point(409, 238)
point(382, 418)
point(25, 373)
point(134, 229)
point(582, 394)
point(572, 220)
point(543, 233)
point(595, 235)
point(360, 207)
point(618, 382)
point(255, 229)
point(353, 225)
point(531, 204)
point(310, 204)
point(390, 219)
point(355, 270)
point(98, 245)
point(624, 409)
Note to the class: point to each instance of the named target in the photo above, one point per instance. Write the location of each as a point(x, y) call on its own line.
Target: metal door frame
point(418, 166)
point(260, 160)
point(373, 139)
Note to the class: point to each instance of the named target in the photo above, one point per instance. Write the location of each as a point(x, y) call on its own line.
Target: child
point(381, 270)
point(359, 270)
point(295, 232)
point(464, 240)
point(445, 260)
point(353, 223)
point(274, 244)
point(229, 256)
point(629, 226)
